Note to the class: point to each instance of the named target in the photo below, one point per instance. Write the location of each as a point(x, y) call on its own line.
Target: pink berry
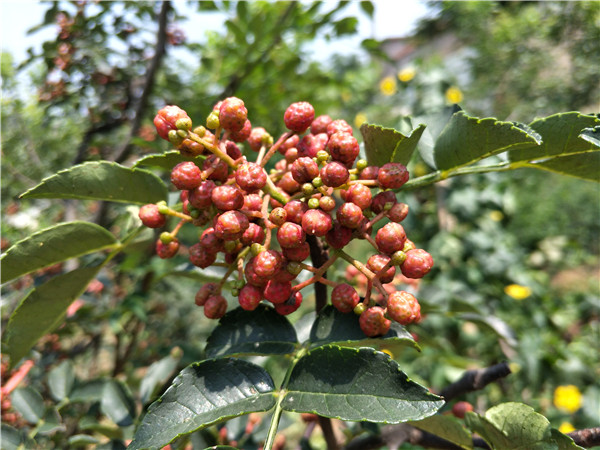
point(299, 116)
point(373, 322)
point(349, 215)
point(206, 291)
point(316, 222)
point(201, 257)
point(210, 241)
point(339, 236)
point(310, 144)
point(216, 168)
point(295, 210)
point(369, 173)
point(231, 225)
point(403, 307)
point(227, 197)
point(392, 175)
point(233, 150)
point(298, 254)
point(215, 307)
point(290, 235)
point(319, 125)
point(338, 126)
point(252, 277)
point(186, 175)
point(165, 251)
point(253, 234)
point(290, 305)
point(304, 170)
point(334, 174)
point(250, 296)
point(166, 118)
point(344, 298)
point(289, 143)
point(243, 134)
point(267, 263)
point(376, 263)
point(381, 200)
point(417, 264)
point(343, 147)
point(277, 292)
point(201, 197)
point(150, 216)
point(390, 238)
point(398, 212)
point(288, 184)
point(360, 195)
point(233, 114)
point(257, 138)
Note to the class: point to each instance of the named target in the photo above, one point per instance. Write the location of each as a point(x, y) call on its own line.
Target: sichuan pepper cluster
point(260, 226)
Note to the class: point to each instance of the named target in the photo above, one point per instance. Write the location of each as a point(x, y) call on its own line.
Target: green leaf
point(383, 145)
point(82, 440)
point(167, 160)
point(436, 122)
point(43, 309)
point(101, 181)
point(88, 391)
point(466, 140)
point(60, 380)
point(357, 385)
point(447, 428)
point(515, 426)
point(560, 135)
point(334, 327)
point(592, 135)
point(259, 332)
point(158, 374)
point(29, 403)
point(53, 245)
point(203, 394)
point(13, 439)
point(563, 441)
point(367, 8)
point(497, 325)
point(347, 25)
point(51, 423)
point(582, 165)
point(117, 403)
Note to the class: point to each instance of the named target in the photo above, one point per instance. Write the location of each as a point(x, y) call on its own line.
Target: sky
point(392, 18)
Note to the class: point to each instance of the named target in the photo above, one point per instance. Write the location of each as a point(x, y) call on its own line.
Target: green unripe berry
point(182, 133)
point(408, 245)
point(398, 258)
point(238, 284)
point(194, 212)
point(313, 203)
point(166, 237)
point(235, 292)
point(200, 131)
point(307, 188)
point(322, 156)
point(230, 246)
point(361, 164)
point(353, 177)
point(163, 208)
point(317, 182)
point(294, 267)
point(185, 123)
point(359, 309)
point(267, 140)
point(388, 206)
point(257, 248)
point(212, 121)
point(174, 138)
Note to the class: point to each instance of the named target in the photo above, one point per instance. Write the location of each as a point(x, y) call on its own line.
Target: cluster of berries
point(317, 191)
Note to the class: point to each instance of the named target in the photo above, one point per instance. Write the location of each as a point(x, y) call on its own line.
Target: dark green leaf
point(447, 428)
point(13, 439)
point(383, 145)
point(29, 403)
point(82, 440)
point(332, 326)
point(158, 374)
point(367, 8)
point(53, 245)
point(114, 444)
point(60, 380)
point(167, 160)
point(436, 122)
point(52, 422)
point(357, 385)
point(88, 391)
point(117, 403)
point(563, 441)
point(581, 165)
point(101, 181)
point(592, 135)
point(43, 309)
point(466, 140)
point(258, 332)
point(560, 135)
point(347, 25)
point(203, 394)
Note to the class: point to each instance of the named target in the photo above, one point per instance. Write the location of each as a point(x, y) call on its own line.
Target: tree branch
point(474, 380)
point(588, 437)
point(142, 102)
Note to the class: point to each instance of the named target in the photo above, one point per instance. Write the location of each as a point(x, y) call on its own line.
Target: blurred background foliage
point(516, 254)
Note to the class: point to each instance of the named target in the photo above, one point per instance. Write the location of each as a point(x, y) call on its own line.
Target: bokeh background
point(517, 254)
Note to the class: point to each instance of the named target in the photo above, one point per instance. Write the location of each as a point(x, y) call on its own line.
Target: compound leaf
point(383, 145)
point(357, 385)
point(334, 327)
point(43, 309)
point(466, 140)
point(53, 245)
point(259, 332)
point(203, 394)
point(101, 180)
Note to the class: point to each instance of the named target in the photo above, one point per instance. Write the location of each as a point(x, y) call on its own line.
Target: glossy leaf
point(29, 403)
point(101, 181)
point(466, 140)
point(560, 136)
point(357, 385)
point(446, 427)
point(53, 245)
point(60, 380)
point(167, 160)
point(383, 145)
point(43, 309)
point(332, 326)
point(592, 135)
point(515, 426)
point(436, 122)
point(581, 165)
point(203, 394)
point(158, 373)
point(117, 403)
point(88, 391)
point(259, 332)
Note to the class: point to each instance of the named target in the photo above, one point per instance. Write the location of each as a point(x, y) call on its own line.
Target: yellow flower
point(496, 216)
point(517, 291)
point(360, 119)
point(566, 427)
point(407, 74)
point(387, 86)
point(454, 94)
point(568, 398)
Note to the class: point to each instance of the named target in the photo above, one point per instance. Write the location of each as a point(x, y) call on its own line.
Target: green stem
point(275, 193)
point(281, 395)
